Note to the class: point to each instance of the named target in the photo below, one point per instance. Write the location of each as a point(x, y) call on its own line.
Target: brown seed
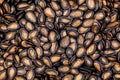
point(115, 44)
point(89, 35)
point(80, 52)
point(52, 36)
point(118, 36)
point(88, 14)
point(44, 31)
point(1, 1)
point(12, 49)
point(19, 78)
point(30, 75)
point(76, 13)
point(76, 23)
point(33, 34)
point(91, 4)
point(66, 12)
point(73, 46)
point(26, 61)
point(30, 16)
point(40, 70)
point(106, 75)
point(116, 67)
point(26, 44)
point(64, 69)
point(98, 65)
point(47, 61)
point(92, 77)
point(77, 63)
point(79, 76)
point(23, 34)
point(21, 71)
point(65, 20)
point(23, 53)
point(88, 61)
point(55, 5)
point(55, 58)
point(22, 6)
point(10, 35)
point(72, 33)
point(51, 72)
point(74, 71)
point(103, 60)
point(36, 41)
point(42, 3)
point(30, 8)
point(49, 12)
point(117, 75)
point(99, 15)
point(64, 4)
point(54, 47)
point(83, 30)
point(112, 24)
point(39, 52)
point(3, 75)
point(68, 77)
point(91, 49)
point(80, 1)
point(32, 53)
point(29, 26)
point(11, 73)
point(87, 23)
point(64, 42)
point(3, 27)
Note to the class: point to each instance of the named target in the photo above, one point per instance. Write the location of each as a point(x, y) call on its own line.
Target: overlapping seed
point(59, 40)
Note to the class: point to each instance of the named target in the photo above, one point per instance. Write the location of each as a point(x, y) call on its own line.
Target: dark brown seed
point(76, 14)
point(30, 16)
point(92, 77)
point(103, 60)
point(118, 36)
point(49, 12)
point(88, 61)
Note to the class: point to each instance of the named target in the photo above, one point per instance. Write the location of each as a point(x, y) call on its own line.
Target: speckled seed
point(76, 13)
point(49, 12)
point(30, 16)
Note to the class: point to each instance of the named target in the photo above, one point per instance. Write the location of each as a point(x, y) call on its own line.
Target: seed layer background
point(59, 40)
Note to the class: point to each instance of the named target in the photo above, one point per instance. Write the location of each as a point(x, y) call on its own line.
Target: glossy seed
point(91, 49)
point(77, 63)
point(40, 70)
point(10, 35)
point(11, 73)
point(106, 75)
point(49, 12)
point(19, 78)
point(39, 52)
point(29, 26)
point(99, 15)
point(3, 75)
point(55, 5)
point(80, 52)
point(87, 23)
point(21, 71)
point(64, 4)
point(47, 61)
point(115, 44)
point(80, 1)
point(76, 23)
point(31, 17)
point(89, 14)
point(26, 61)
point(31, 53)
point(98, 65)
point(64, 69)
point(51, 72)
point(91, 4)
point(30, 75)
point(76, 14)
point(23, 34)
point(83, 30)
point(64, 42)
point(55, 58)
point(79, 76)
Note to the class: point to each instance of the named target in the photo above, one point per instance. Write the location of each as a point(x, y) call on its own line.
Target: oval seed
point(10, 35)
point(99, 15)
point(115, 44)
point(80, 52)
point(11, 72)
point(31, 17)
point(47, 61)
point(29, 26)
point(64, 4)
point(49, 12)
point(91, 49)
point(90, 4)
point(76, 14)
point(21, 71)
point(30, 75)
point(2, 75)
point(64, 42)
point(51, 72)
point(55, 58)
point(19, 78)
point(98, 65)
point(83, 30)
point(31, 53)
point(106, 75)
point(68, 77)
point(76, 23)
point(87, 23)
point(77, 63)
point(79, 76)
point(26, 61)
point(63, 69)
point(23, 34)
point(39, 52)
point(52, 36)
point(55, 5)
point(118, 36)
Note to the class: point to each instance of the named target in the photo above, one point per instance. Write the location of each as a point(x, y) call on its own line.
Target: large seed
point(31, 53)
point(11, 73)
point(13, 26)
point(87, 23)
point(64, 4)
point(51, 72)
point(76, 23)
point(99, 15)
point(115, 44)
point(55, 58)
point(106, 75)
point(3, 75)
point(77, 63)
point(47, 61)
point(118, 36)
point(76, 14)
point(91, 4)
point(30, 75)
point(64, 42)
point(23, 34)
point(31, 17)
point(80, 52)
point(29, 26)
point(39, 52)
point(26, 61)
point(91, 49)
point(49, 12)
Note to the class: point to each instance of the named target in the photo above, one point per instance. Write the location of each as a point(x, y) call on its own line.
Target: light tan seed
point(88, 14)
point(3, 75)
point(65, 20)
point(80, 1)
point(76, 13)
point(33, 34)
point(10, 35)
point(115, 44)
point(64, 4)
point(1, 1)
point(117, 75)
point(21, 71)
point(12, 49)
point(42, 3)
point(19, 78)
point(49, 12)
point(55, 58)
point(54, 47)
point(26, 61)
point(118, 36)
point(97, 65)
point(29, 26)
point(26, 44)
point(99, 15)
point(22, 6)
point(68, 77)
point(30, 16)
point(87, 23)
point(32, 53)
point(83, 30)
point(44, 31)
point(3, 27)
point(36, 41)
point(52, 36)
